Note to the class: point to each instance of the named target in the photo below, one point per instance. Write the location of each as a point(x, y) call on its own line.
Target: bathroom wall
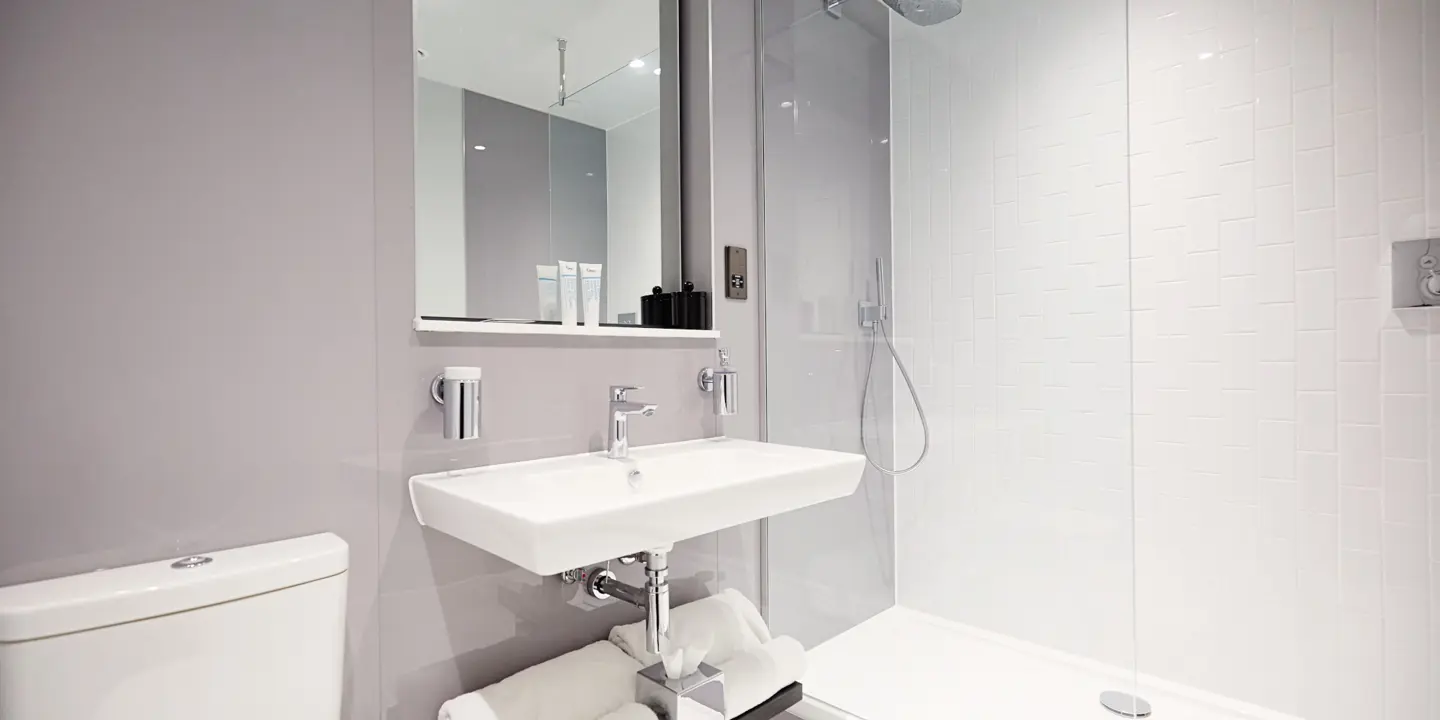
point(1284, 444)
point(221, 293)
point(507, 206)
point(439, 199)
point(579, 194)
point(633, 248)
point(1011, 301)
point(1284, 437)
point(187, 277)
point(537, 192)
point(528, 201)
point(451, 617)
point(827, 217)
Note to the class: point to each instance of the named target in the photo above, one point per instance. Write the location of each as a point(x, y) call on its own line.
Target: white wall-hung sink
point(552, 515)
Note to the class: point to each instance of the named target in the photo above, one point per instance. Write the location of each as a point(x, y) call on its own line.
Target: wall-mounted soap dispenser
point(457, 390)
point(724, 384)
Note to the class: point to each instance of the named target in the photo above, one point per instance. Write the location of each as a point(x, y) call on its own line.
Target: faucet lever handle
point(617, 392)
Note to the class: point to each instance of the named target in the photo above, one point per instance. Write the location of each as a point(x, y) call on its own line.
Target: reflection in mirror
point(524, 175)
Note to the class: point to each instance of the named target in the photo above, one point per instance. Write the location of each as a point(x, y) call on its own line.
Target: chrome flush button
point(193, 561)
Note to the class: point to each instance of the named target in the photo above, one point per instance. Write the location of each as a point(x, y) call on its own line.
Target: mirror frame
point(674, 168)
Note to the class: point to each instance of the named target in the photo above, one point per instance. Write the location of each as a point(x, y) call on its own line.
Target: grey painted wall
point(719, 200)
point(187, 237)
point(827, 216)
point(507, 206)
point(535, 195)
point(236, 315)
point(579, 218)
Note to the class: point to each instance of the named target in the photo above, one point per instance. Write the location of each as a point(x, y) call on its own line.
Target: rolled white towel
point(581, 685)
point(633, 711)
point(753, 677)
point(469, 706)
point(727, 623)
point(748, 612)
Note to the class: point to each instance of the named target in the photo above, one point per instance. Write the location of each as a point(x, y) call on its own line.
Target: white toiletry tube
point(569, 297)
point(547, 279)
point(590, 288)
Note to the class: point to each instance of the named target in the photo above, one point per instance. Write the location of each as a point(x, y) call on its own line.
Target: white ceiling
point(506, 49)
point(616, 98)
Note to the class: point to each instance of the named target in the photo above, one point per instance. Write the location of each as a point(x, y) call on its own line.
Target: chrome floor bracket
point(1125, 704)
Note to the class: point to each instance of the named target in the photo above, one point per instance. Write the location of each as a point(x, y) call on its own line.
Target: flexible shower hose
point(879, 327)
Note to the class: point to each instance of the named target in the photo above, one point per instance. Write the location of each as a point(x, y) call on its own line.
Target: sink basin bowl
point(552, 515)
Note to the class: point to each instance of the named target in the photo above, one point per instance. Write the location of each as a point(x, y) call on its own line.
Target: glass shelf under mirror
point(504, 327)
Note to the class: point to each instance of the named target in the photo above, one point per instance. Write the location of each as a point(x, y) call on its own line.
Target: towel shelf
point(778, 703)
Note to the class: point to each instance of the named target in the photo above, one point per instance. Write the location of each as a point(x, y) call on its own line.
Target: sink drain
point(1125, 704)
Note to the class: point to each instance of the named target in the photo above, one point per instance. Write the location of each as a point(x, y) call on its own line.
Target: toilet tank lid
point(137, 592)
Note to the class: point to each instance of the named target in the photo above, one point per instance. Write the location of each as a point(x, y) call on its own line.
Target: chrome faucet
point(620, 411)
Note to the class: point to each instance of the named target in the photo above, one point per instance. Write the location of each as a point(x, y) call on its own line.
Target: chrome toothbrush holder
point(457, 390)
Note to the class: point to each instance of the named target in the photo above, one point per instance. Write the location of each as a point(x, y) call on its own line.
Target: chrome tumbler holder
point(457, 390)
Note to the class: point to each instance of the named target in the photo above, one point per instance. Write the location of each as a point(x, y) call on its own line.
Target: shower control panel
point(735, 274)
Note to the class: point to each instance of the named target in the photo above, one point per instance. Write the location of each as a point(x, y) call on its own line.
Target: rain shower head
point(925, 12)
point(920, 12)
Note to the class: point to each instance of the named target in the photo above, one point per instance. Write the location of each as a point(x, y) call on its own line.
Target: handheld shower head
point(880, 283)
point(872, 313)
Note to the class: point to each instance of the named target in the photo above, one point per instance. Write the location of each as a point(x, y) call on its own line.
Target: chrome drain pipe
point(653, 598)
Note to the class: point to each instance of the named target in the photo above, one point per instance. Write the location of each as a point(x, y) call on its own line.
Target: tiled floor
point(906, 665)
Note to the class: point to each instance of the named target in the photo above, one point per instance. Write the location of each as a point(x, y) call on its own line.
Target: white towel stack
point(728, 622)
point(581, 685)
point(598, 681)
point(752, 677)
point(633, 711)
point(727, 630)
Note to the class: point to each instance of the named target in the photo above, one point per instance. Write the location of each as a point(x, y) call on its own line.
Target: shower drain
point(1125, 704)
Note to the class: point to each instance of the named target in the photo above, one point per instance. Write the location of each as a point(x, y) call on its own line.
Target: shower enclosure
point(1180, 445)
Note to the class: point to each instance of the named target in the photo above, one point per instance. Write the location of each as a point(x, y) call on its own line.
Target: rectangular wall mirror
point(547, 153)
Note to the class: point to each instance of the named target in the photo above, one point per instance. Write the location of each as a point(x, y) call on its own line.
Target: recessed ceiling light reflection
point(657, 71)
point(787, 104)
point(479, 147)
point(637, 63)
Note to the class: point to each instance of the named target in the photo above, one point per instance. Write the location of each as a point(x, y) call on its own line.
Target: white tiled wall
point(1205, 274)
point(1012, 291)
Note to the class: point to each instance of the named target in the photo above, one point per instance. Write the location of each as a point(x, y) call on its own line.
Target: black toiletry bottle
point(647, 307)
point(692, 308)
point(664, 308)
point(682, 307)
point(658, 309)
